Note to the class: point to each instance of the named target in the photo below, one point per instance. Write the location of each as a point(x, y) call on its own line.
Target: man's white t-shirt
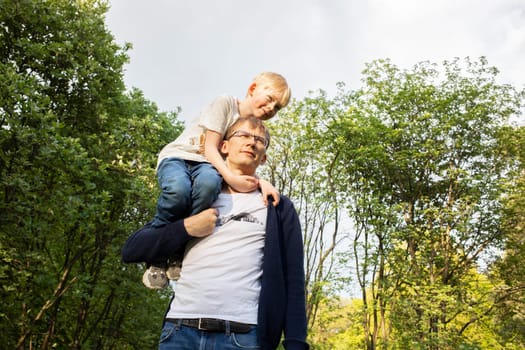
point(221, 273)
point(218, 117)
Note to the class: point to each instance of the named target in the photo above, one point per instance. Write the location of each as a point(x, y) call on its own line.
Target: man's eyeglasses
point(262, 141)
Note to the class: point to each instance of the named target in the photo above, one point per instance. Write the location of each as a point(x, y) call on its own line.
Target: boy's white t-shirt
point(218, 117)
point(221, 273)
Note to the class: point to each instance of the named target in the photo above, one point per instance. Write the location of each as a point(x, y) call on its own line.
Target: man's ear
point(263, 159)
point(224, 147)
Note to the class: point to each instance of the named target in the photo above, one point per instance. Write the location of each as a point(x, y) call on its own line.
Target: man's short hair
point(253, 122)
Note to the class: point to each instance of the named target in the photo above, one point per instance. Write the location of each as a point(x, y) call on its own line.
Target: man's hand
point(202, 224)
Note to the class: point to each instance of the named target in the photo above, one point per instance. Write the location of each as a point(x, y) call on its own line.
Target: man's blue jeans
point(179, 337)
point(187, 188)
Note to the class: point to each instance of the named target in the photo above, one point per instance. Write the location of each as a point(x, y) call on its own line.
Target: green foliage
point(77, 159)
point(423, 180)
point(422, 160)
point(509, 268)
point(300, 168)
point(338, 326)
point(418, 158)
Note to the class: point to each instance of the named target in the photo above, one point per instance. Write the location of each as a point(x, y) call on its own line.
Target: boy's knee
point(210, 185)
point(174, 187)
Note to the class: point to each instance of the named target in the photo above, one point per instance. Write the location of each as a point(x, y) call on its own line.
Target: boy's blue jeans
point(187, 188)
point(178, 337)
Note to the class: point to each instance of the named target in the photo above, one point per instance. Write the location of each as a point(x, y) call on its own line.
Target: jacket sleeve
point(295, 328)
point(150, 244)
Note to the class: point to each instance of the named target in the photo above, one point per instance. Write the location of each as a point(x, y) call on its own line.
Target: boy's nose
point(269, 112)
point(270, 107)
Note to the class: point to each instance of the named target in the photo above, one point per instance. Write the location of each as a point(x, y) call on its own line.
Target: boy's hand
point(267, 189)
point(243, 183)
point(201, 224)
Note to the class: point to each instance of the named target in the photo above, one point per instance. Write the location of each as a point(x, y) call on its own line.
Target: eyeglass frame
point(256, 138)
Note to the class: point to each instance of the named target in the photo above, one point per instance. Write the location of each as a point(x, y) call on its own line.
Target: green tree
point(77, 159)
point(424, 180)
point(509, 319)
point(338, 326)
point(300, 169)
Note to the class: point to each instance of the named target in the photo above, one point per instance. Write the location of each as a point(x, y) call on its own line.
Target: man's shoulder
point(285, 203)
point(285, 198)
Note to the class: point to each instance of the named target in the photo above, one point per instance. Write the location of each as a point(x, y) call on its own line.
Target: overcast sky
point(187, 52)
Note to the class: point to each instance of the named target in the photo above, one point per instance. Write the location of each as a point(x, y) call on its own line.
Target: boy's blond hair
point(276, 82)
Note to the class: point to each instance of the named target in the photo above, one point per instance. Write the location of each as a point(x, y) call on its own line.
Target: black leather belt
point(211, 324)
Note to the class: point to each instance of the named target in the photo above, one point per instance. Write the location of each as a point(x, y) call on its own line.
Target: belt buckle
point(199, 326)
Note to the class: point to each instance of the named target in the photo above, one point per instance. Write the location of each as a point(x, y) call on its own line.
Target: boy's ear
point(251, 88)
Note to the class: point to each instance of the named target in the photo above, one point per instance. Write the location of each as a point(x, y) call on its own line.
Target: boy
point(190, 169)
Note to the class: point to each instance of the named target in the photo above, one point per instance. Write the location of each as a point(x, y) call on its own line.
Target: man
point(242, 279)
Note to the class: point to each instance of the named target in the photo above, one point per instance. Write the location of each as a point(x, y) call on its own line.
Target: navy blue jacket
point(282, 299)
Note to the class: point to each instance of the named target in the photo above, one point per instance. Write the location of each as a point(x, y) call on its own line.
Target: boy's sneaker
point(173, 271)
point(155, 277)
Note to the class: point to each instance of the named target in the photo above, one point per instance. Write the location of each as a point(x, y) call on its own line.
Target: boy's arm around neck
point(241, 183)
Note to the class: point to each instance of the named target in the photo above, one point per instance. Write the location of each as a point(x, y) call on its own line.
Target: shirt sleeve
point(150, 244)
point(295, 328)
point(219, 114)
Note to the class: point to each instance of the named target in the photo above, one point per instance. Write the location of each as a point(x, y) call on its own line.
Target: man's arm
point(150, 244)
point(295, 327)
